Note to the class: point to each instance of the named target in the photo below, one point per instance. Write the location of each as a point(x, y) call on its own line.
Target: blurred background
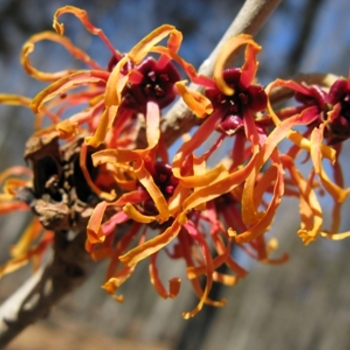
point(303, 304)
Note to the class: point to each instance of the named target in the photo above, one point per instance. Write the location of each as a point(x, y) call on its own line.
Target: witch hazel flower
point(236, 108)
point(239, 110)
point(141, 188)
point(322, 112)
point(177, 199)
point(131, 78)
point(89, 167)
point(133, 85)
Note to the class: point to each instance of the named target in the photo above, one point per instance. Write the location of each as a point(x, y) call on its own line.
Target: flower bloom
point(324, 115)
point(192, 193)
point(97, 171)
point(237, 108)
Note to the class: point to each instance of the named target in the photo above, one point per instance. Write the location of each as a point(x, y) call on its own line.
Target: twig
point(249, 20)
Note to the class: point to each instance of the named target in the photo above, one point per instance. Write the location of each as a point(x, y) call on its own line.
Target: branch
point(70, 267)
point(68, 217)
point(249, 20)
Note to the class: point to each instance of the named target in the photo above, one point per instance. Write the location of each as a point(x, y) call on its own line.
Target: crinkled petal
point(339, 194)
point(216, 189)
point(146, 179)
point(152, 124)
point(15, 100)
point(117, 280)
point(84, 18)
point(265, 220)
point(29, 46)
point(134, 214)
point(66, 83)
point(336, 236)
point(116, 83)
point(110, 196)
point(174, 283)
point(310, 208)
point(94, 232)
point(187, 67)
point(249, 68)
point(197, 236)
point(198, 103)
point(144, 46)
point(103, 127)
point(153, 245)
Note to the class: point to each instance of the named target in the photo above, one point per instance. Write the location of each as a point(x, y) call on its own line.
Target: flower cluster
point(90, 165)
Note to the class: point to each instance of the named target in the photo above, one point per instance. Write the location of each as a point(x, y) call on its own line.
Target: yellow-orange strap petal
point(198, 103)
point(232, 45)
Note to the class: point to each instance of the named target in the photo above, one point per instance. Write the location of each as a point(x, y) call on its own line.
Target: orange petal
point(197, 236)
point(250, 198)
point(134, 214)
point(151, 246)
point(310, 208)
point(339, 194)
point(335, 236)
point(15, 170)
point(143, 47)
point(155, 193)
point(15, 100)
point(198, 103)
point(103, 127)
point(300, 119)
point(19, 261)
point(187, 67)
point(83, 17)
point(82, 162)
point(174, 283)
point(116, 83)
point(8, 207)
point(152, 124)
point(250, 65)
point(94, 233)
point(266, 218)
point(66, 83)
point(117, 280)
point(230, 46)
point(216, 189)
point(29, 46)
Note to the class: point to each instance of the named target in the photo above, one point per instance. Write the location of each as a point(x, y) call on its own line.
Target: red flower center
point(235, 106)
point(156, 84)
